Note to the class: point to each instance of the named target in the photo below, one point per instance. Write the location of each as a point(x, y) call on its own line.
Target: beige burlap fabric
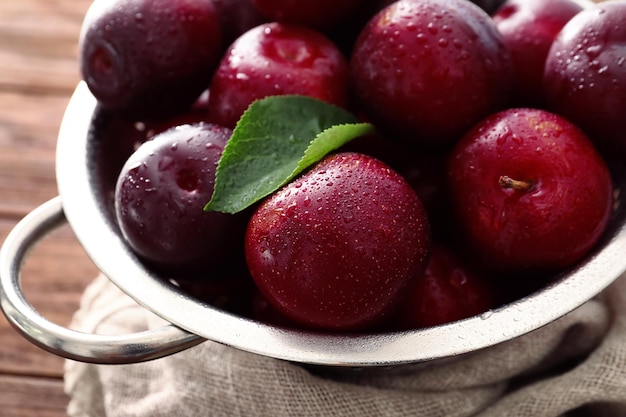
point(575, 366)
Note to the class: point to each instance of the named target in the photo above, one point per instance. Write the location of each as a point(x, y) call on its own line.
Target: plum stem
point(508, 182)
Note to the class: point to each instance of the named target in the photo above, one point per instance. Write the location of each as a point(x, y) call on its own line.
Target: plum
point(149, 58)
point(530, 191)
point(338, 248)
point(449, 290)
point(159, 199)
point(276, 59)
point(585, 73)
point(428, 70)
point(529, 28)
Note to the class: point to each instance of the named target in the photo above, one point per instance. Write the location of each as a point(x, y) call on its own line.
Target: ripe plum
point(276, 59)
point(428, 70)
point(585, 73)
point(449, 290)
point(339, 247)
point(149, 58)
point(530, 191)
point(160, 196)
point(529, 27)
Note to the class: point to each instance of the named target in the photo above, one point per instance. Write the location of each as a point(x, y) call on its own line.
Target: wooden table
point(38, 71)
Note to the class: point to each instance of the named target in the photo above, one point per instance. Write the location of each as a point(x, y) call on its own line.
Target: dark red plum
point(338, 248)
point(428, 70)
point(585, 73)
point(159, 199)
point(530, 192)
point(529, 27)
point(449, 290)
point(276, 59)
point(149, 58)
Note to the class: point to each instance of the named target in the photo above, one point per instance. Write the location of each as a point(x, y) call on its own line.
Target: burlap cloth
point(575, 366)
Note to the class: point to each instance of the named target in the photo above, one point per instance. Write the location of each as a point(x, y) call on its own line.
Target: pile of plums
point(486, 177)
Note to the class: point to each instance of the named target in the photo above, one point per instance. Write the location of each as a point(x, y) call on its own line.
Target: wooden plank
point(31, 122)
point(40, 44)
point(38, 71)
point(29, 397)
point(27, 179)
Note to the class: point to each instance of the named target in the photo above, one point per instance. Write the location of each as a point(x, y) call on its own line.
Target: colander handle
point(71, 344)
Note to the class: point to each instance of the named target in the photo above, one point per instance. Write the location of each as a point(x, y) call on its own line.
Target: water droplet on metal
point(486, 314)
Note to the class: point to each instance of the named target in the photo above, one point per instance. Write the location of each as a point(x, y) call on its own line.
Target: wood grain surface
point(38, 72)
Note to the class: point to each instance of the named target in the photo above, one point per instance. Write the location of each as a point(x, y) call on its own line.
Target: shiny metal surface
point(82, 198)
point(58, 339)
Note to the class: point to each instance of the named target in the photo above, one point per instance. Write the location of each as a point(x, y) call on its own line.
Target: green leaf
point(276, 139)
